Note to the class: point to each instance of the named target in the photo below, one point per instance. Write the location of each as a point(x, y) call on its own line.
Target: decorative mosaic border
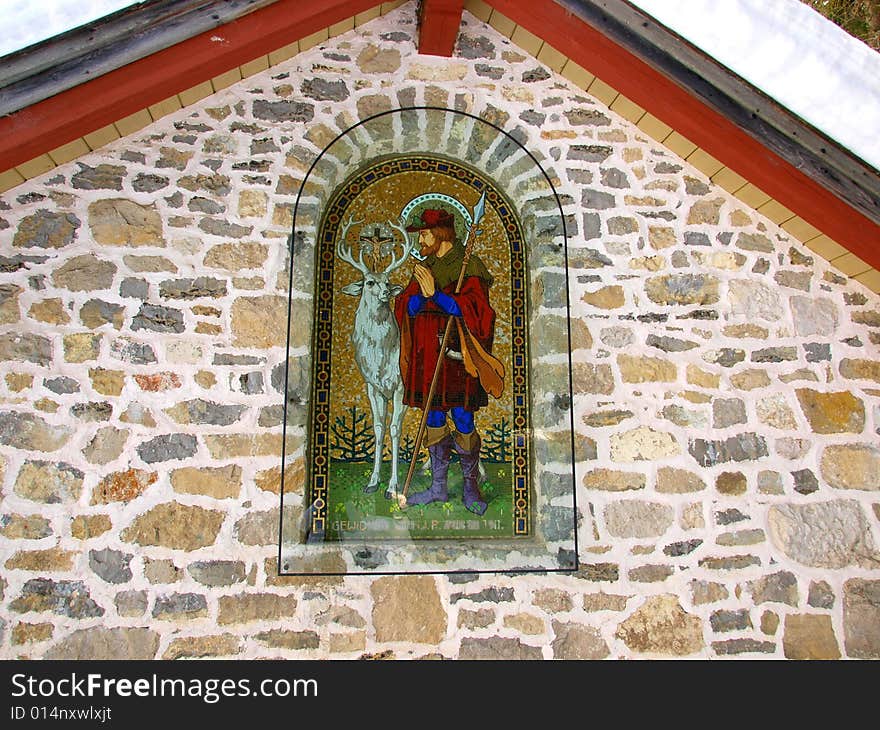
point(317, 479)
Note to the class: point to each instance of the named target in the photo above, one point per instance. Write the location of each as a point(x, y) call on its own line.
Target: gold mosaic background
point(384, 200)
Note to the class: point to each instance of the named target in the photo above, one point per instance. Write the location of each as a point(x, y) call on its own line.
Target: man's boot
point(439, 443)
point(467, 445)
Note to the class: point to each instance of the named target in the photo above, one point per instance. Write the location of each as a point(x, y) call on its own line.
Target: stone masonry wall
point(727, 395)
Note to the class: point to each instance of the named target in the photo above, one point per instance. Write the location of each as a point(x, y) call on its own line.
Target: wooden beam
point(62, 118)
point(439, 21)
point(57, 64)
point(705, 127)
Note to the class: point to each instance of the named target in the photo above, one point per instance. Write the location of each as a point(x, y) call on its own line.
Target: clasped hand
point(425, 279)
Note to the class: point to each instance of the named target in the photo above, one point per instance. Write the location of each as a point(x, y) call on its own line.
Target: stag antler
point(344, 251)
point(407, 247)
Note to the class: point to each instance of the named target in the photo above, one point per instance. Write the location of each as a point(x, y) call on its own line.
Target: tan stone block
point(17, 382)
point(195, 93)
point(50, 560)
point(851, 466)
point(643, 444)
point(603, 91)
point(408, 609)
point(525, 623)
point(149, 264)
point(206, 379)
point(46, 405)
point(614, 481)
point(375, 59)
point(81, 347)
point(269, 480)
point(9, 309)
point(744, 331)
point(809, 636)
point(206, 328)
point(704, 162)
point(259, 322)
point(84, 527)
point(704, 592)
point(775, 412)
point(348, 642)
point(161, 571)
point(860, 369)
point(99, 643)
point(231, 446)
point(636, 369)
point(702, 378)
point(287, 639)
point(218, 482)
point(601, 419)
point(41, 481)
point(661, 626)
point(769, 623)
point(839, 412)
point(256, 283)
point(725, 260)
point(692, 517)
point(50, 311)
point(198, 647)
point(648, 263)
point(678, 481)
point(552, 600)
point(253, 203)
point(750, 379)
point(24, 527)
point(861, 618)
point(609, 297)
point(605, 602)
point(237, 256)
point(476, 619)
point(731, 483)
point(590, 378)
point(450, 71)
point(177, 526)
point(120, 222)
point(107, 382)
point(248, 607)
point(25, 633)
point(705, 212)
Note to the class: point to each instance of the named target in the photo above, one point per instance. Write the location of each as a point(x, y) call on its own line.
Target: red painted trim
point(703, 126)
point(83, 109)
point(439, 21)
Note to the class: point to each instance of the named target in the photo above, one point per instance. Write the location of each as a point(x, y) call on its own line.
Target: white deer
point(376, 340)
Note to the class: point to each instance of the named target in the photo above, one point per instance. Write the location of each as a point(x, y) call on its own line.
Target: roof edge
point(836, 168)
point(97, 48)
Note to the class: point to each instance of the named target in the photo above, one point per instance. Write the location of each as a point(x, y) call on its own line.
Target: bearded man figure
point(467, 369)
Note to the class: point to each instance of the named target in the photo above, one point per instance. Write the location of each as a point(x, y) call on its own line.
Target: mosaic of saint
point(420, 420)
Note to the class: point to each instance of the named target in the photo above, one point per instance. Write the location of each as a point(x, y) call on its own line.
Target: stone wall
point(727, 395)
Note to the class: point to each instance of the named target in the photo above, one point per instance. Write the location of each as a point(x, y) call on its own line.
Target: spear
point(479, 210)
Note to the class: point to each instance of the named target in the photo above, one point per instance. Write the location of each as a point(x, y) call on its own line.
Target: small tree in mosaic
point(352, 436)
point(497, 444)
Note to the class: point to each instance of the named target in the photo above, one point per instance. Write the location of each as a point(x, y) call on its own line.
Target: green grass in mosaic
point(355, 515)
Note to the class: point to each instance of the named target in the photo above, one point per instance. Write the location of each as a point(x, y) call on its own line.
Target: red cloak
point(420, 337)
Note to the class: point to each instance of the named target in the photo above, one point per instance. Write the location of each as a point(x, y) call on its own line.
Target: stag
point(376, 341)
